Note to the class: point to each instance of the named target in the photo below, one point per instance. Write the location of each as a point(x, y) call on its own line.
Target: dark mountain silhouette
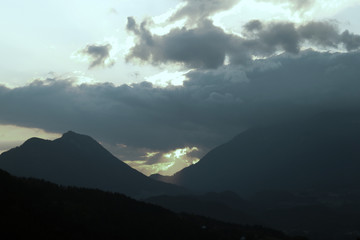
point(224, 206)
point(321, 153)
point(162, 178)
point(314, 215)
point(35, 209)
point(78, 160)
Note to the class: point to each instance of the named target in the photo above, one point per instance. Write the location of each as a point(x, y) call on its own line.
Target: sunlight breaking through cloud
point(167, 163)
point(166, 78)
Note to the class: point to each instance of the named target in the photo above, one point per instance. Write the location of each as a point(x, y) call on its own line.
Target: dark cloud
point(322, 33)
point(207, 46)
point(132, 26)
point(275, 35)
point(98, 55)
point(350, 40)
point(211, 107)
point(199, 10)
point(203, 47)
point(265, 39)
point(327, 34)
point(253, 26)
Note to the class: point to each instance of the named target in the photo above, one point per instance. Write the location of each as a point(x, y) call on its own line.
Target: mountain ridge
point(319, 152)
point(76, 159)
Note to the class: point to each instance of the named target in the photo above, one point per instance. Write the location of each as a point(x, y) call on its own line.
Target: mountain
point(162, 178)
point(301, 177)
point(312, 214)
point(78, 160)
point(32, 208)
point(317, 215)
point(224, 206)
point(320, 152)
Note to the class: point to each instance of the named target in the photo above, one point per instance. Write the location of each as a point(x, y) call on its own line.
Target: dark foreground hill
point(78, 160)
point(224, 206)
point(35, 209)
point(320, 153)
point(315, 215)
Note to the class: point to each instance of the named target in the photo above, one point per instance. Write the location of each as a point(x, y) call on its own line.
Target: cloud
point(210, 108)
point(166, 163)
point(132, 26)
point(203, 47)
point(267, 38)
point(350, 40)
point(295, 5)
point(199, 10)
point(321, 33)
point(98, 55)
point(207, 46)
point(273, 35)
point(253, 26)
point(327, 34)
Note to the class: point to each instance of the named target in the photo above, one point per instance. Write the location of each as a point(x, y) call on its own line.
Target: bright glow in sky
point(170, 162)
point(11, 135)
point(43, 38)
point(166, 78)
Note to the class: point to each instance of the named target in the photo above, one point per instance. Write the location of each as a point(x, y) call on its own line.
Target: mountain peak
point(34, 141)
point(79, 160)
point(71, 134)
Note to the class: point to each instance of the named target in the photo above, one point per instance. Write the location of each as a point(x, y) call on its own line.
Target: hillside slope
point(37, 209)
point(319, 153)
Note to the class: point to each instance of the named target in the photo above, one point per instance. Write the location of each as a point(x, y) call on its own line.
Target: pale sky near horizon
point(90, 42)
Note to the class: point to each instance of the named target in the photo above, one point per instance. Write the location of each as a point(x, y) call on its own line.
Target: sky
point(160, 83)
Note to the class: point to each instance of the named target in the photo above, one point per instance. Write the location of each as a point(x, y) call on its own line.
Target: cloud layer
point(207, 46)
point(211, 107)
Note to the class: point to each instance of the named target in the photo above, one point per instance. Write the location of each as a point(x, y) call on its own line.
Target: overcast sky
point(161, 82)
